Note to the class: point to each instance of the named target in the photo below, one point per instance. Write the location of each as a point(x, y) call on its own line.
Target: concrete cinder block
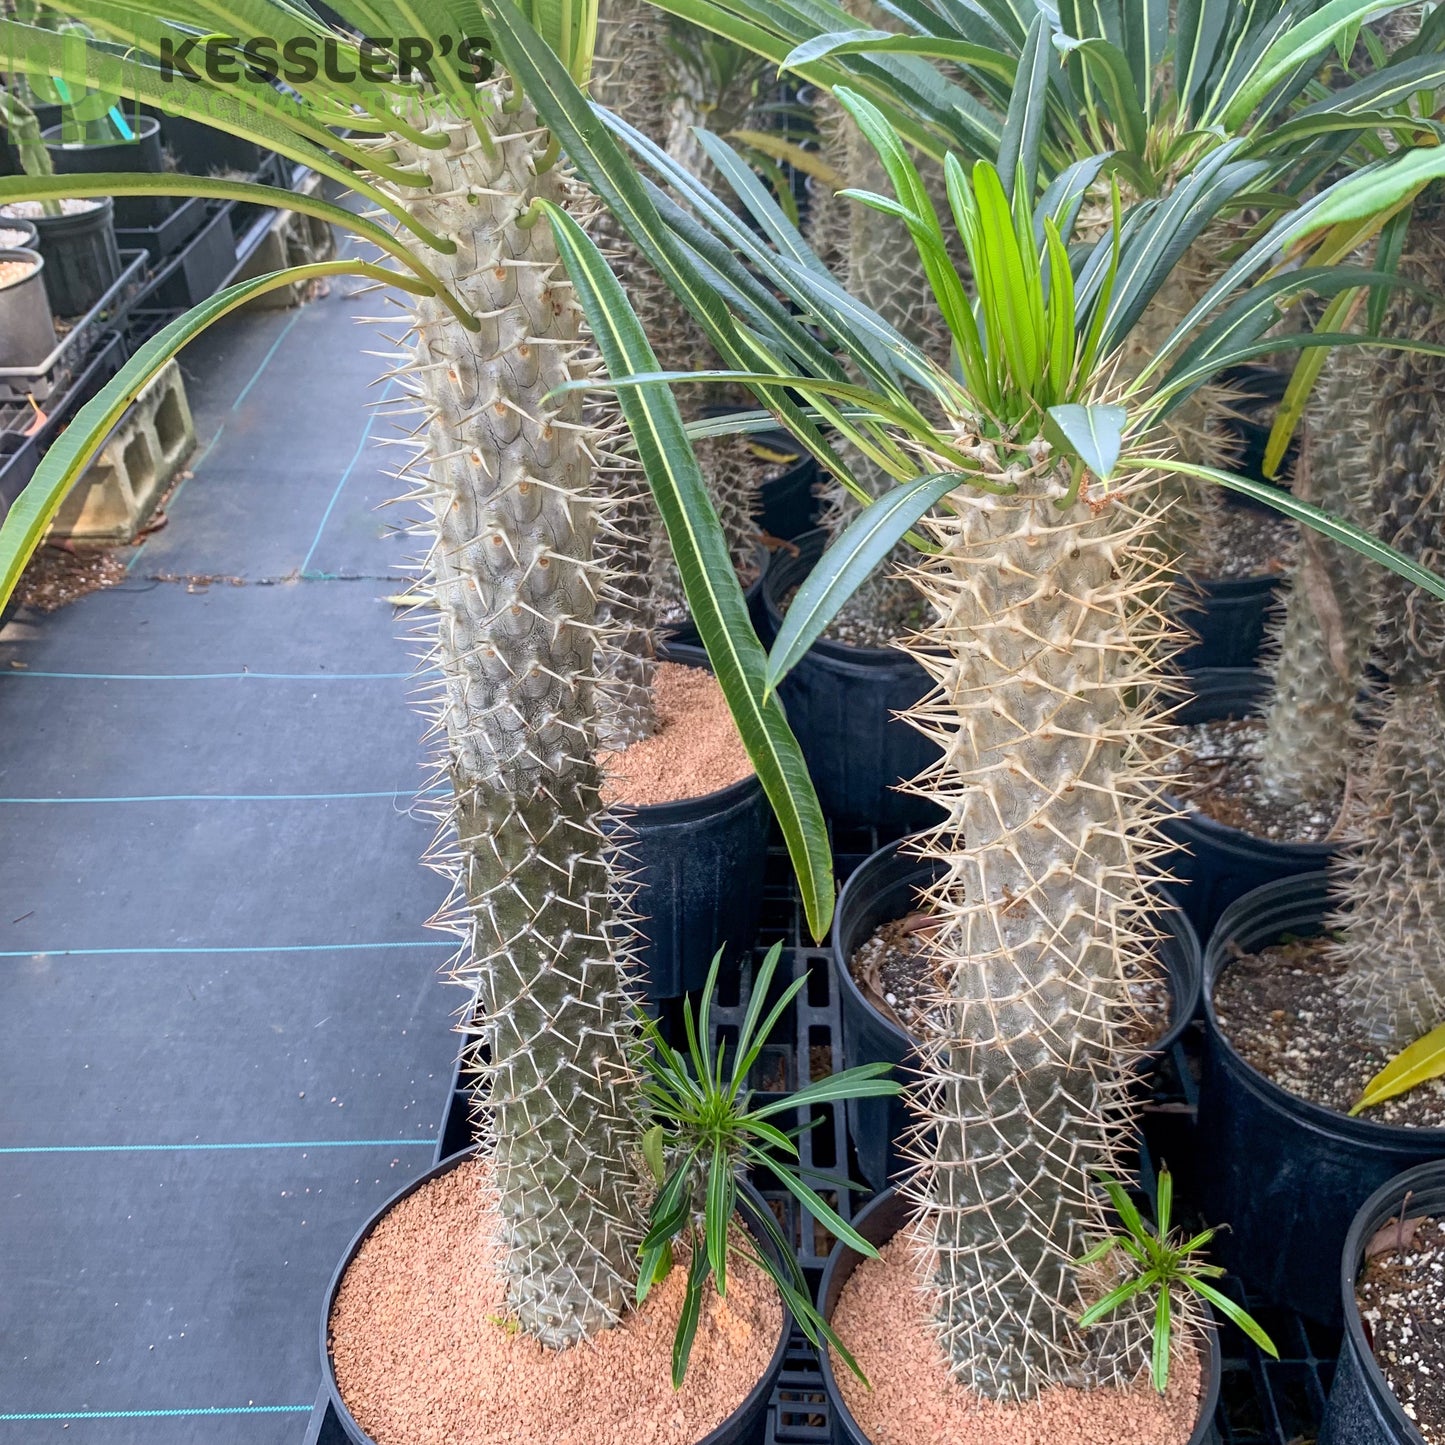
point(293, 240)
point(145, 454)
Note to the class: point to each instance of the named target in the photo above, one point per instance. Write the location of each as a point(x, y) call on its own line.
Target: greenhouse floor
point(223, 1042)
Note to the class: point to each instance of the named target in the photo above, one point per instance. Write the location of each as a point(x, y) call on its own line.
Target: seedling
point(706, 1136)
point(1163, 1263)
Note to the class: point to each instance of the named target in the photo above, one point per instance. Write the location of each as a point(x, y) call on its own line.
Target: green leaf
point(654, 1267)
point(653, 1141)
point(884, 42)
point(862, 1081)
point(1110, 1302)
point(717, 1215)
point(1095, 434)
point(126, 183)
point(1023, 126)
point(1323, 522)
point(1375, 190)
point(1164, 1202)
point(671, 1208)
point(1418, 1064)
point(691, 1312)
point(1233, 1313)
point(847, 564)
point(821, 1210)
point(30, 516)
point(1159, 1359)
point(1107, 67)
point(714, 595)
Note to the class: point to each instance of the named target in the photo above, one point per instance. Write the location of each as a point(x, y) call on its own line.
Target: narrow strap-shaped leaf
point(1418, 1064)
point(714, 595)
point(884, 42)
point(1108, 69)
point(1323, 522)
point(1018, 150)
point(717, 1216)
point(1159, 1355)
point(30, 516)
point(862, 1081)
point(846, 565)
point(821, 1210)
point(1234, 1314)
point(691, 1312)
point(132, 183)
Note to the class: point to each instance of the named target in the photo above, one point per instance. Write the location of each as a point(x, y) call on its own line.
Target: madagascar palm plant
point(1031, 480)
point(510, 476)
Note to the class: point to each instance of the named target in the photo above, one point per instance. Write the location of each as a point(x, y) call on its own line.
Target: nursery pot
point(685, 633)
point(878, 1223)
point(143, 154)
point(885, 887)
point(1223, 863)
point(700, 864)
point(745, 1426)
point(27, 334)
point(1363, 1409)
point(23, 236)
point(1228, 619)
point(1285, 1175)
point(841, 703)
point(786, 504)
point(81, 257)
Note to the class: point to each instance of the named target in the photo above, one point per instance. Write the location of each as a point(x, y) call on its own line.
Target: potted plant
point(76, 237)
point(27, 334)
point(1312, 990)
point(1042, 573)
point(1385, 1390)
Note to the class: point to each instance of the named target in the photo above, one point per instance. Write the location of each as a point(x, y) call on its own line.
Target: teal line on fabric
point(266, 360)
point(211, 676)
point(239, 797)
point(198, 1148)
point(345, 476)
point(228, 948)
point(28, 1416)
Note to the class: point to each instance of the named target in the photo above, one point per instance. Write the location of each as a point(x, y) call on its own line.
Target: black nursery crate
point(168, 235)
point(198, 271)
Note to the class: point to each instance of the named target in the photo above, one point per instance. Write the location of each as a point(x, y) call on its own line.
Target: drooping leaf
point(715, 597)
point(1418, 1064)
point(691, 1312)
point(846, 565)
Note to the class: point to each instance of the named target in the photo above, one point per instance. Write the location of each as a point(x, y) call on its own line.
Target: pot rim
point(1369, 1217)
point(1182, 931)
point(22, 253)
point(1209, 1401)
point(1359, 1130)
point(758, 1393)
point(146, 127)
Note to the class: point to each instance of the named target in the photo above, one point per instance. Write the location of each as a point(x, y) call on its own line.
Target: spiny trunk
point(515, 576)
point(638, 75)
point(1321, 644)
point(1392, 888)
point(1044, 651)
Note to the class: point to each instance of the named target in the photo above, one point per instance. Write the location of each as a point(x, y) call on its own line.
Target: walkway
point(222, 1038)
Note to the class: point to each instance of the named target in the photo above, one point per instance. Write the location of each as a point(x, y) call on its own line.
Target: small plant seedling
point(1418, 1064)
point(705, 1136)
point(1163, 1262)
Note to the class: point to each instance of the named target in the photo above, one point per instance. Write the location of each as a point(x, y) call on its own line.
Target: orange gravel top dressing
point(425, 1354)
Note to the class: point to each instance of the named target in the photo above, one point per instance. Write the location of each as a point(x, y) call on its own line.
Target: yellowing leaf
point(1422, 1061)
point(811, 163)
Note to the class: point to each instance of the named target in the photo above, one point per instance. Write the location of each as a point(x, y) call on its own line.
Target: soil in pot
point(1284, 1010)
point(1248, 542)
point(696, 749)
point(1220, 777)
point(892, 972)
point(1401, 1298)
point(425, 1354)
point(883, 1316)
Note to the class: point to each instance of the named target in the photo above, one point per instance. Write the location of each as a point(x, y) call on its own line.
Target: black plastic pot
point(1285, 1175)
point(1223, 863)
point(143, 154)
point(745, 1426)
point(27, 334)
point(203, 150)
point(1228, 619)
point(878, 1223)
point(885, 887)
point(700, 864)
point(841, 703)
point(1363, 1409)
point(787, 507)
point(82, 260)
